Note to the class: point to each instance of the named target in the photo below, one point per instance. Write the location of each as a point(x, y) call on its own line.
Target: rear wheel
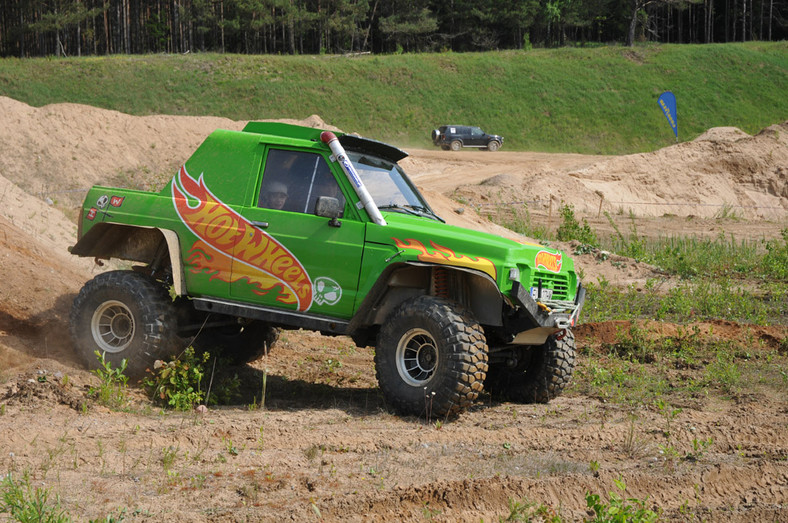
point(539, 375)
point(431, 357)
point(456, 145)
point(124, 315)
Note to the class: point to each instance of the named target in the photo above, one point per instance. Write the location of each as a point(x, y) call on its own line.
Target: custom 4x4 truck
point(281, 226)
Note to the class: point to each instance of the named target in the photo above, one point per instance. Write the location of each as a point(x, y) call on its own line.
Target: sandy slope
point(325, 448)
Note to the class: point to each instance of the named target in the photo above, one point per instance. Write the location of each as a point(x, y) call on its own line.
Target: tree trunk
point(744, 20)
point(633, 22)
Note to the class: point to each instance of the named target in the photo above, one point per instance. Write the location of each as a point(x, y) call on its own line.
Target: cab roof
point(350, 142)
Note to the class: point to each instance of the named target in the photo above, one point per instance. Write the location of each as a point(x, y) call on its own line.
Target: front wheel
point(431, 357)
point(539, 375)
point(124, 315)
point(493, 146)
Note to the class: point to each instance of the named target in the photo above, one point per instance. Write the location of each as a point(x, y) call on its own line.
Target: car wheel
point(493, 146)
point(125, 316)
point(456, 145)
point(541, 375)
point(431, 357)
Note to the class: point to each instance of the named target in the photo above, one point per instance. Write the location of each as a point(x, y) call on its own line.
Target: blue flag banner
point(667, 102)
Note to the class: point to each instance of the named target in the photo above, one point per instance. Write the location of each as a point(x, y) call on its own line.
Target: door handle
point(260, 225)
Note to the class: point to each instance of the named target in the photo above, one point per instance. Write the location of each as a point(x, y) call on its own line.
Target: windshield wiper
point(426, 211)
point(399, 208)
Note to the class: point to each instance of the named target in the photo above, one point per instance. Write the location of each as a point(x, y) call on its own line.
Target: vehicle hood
point(426, 240)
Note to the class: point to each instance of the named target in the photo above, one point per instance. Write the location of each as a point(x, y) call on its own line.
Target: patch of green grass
point(681, 369)
point(686, 302)
point(611, 378)
point(596, 100)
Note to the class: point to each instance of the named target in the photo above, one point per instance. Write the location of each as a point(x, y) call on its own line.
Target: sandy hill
point(53, 154)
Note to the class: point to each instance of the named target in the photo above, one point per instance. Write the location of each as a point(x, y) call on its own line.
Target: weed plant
point(112, 391)
point(22, 502)
point(619, 509)
point(177, 383)
point(526, 510)
point(518, 219)
point(570, 229)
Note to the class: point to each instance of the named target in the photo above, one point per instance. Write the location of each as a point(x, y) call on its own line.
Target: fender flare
point(134, 243)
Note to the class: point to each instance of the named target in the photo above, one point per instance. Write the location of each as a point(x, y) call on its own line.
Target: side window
point(293, 180)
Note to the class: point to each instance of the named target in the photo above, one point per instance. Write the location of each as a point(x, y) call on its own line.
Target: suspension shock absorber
point(440, 282)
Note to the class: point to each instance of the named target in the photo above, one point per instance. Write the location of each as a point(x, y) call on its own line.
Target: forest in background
point(99, 27)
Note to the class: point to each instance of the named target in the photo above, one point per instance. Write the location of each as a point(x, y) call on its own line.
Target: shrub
point(570, 229)
point(177, 383)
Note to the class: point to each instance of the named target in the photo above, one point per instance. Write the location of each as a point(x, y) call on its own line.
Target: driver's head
point(276, 196)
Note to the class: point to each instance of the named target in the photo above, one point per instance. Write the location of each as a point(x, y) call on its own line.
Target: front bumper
point(539, 319)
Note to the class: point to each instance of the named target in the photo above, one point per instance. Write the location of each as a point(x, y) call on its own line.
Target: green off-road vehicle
point(280, 226)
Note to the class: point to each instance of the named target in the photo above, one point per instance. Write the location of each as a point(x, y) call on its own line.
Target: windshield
point(389, 186)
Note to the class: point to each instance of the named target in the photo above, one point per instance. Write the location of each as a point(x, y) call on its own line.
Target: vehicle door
point(477, 137)
point(288, 257)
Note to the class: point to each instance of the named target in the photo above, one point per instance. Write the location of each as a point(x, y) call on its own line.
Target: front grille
point(559, 283)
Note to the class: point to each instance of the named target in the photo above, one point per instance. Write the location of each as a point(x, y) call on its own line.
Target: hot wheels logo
point(446, 256)
point(231, 249)
point(549, 261)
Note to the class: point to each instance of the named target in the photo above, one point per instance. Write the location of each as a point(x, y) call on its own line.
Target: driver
point(275, 196)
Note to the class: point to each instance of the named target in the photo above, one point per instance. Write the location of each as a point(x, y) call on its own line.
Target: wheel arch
point(158, 248)
point(474, 290)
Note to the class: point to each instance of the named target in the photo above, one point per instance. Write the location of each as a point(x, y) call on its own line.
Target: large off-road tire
point(124, 315)
point(493, 146)
point(431, 357)
point(456, 145)
point(239, 343)
point(541, 374)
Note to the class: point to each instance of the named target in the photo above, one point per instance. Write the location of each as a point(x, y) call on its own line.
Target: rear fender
point(147, 245)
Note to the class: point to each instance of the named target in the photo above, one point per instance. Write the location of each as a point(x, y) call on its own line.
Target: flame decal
point(548, 260)
point(225, 238)
point(446, 256)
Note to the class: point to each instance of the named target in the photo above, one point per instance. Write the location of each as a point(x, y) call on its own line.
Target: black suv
point(455, 137)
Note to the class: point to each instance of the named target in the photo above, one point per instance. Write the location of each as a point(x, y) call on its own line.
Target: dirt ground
point(324, 446)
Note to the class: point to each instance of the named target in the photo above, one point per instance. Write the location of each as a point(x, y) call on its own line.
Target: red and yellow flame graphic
point(446, 256)
point(548, 261)
point(231, 249)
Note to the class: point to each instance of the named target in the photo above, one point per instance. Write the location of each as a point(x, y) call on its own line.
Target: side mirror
point(329, 207)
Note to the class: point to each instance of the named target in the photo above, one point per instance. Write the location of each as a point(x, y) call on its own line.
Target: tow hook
point(560, 335)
